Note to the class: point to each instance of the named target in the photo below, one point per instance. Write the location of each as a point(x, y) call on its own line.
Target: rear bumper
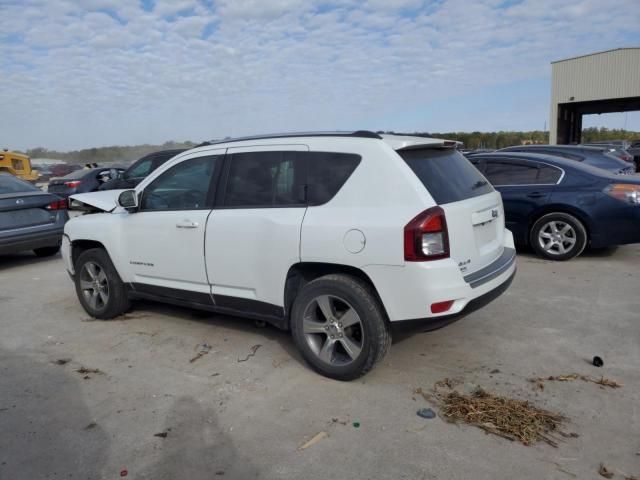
point(31, 241)
point(38, 236)
point(429, 324)
point(619, 224)
point(408, 292)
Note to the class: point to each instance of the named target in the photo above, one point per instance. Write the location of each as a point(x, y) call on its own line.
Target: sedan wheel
point(333, 330)
point(557, 238)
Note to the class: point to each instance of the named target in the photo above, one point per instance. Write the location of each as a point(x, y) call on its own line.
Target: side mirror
point(128, 200)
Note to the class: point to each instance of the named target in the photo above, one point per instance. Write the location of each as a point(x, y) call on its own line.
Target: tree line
point(102, 155)
point(502, 139)
point(125, 154)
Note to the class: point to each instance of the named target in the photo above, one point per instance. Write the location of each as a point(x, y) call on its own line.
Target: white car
point(334, 236)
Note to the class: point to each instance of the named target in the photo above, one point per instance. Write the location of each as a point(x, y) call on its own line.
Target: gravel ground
point(226, 418)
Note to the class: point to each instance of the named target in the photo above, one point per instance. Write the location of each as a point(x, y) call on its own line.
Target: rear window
point(9, 184)
point(447, 175)
point(77, 174)
point(263, 179)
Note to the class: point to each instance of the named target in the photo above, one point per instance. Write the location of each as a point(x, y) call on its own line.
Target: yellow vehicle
point(17, 164)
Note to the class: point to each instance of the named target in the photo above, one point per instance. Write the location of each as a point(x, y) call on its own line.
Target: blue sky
point(105, 72)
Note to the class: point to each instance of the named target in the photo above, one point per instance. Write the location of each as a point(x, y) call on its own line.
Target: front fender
point(102, 228)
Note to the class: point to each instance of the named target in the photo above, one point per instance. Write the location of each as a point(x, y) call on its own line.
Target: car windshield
point(446, 173)
point(9, 184)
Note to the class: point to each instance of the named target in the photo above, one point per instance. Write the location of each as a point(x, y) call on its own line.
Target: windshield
point(9, 184)
point(446, 173)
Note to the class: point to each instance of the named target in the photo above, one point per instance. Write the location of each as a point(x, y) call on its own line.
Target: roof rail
point(358, 133)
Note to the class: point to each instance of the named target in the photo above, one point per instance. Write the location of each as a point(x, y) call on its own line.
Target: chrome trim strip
point(492, 270)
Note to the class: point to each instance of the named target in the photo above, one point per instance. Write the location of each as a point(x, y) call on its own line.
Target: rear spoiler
point(409, 142)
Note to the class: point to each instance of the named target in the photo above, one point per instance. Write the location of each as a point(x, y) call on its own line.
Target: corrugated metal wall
point(600, 76)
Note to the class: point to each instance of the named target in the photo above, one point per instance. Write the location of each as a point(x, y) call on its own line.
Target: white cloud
point(75, 77)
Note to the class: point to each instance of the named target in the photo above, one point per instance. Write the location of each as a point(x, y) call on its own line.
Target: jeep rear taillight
point(426, 237)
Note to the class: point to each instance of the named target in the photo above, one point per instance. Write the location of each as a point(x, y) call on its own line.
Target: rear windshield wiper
point(479, 184)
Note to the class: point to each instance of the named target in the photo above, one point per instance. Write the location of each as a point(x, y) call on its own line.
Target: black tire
point(558, 245)
point(371, 334)
point(46, 251)
point(116, 302)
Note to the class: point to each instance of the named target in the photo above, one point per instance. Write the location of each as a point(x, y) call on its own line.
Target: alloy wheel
point(557, 237)
point(94, 285)
point(333, 330)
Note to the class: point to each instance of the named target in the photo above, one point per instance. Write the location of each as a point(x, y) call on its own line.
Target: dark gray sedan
point(83, 181)
point(30, 219)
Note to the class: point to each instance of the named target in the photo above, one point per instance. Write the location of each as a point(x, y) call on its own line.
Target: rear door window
point(264, 179)
point(548, 174)
point(446, 173)
point(505, 173)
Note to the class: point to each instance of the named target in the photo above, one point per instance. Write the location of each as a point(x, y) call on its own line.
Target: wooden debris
point(602, 381)
point(253, 351)
point(515, 420)
point(316, 438)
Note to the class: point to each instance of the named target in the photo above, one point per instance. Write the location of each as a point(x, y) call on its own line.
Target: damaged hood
point(105, 200)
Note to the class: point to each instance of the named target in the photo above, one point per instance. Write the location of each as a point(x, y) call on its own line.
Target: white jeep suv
point(334, 236)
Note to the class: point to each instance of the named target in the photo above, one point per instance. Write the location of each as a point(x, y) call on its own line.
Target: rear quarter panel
point(380, 197)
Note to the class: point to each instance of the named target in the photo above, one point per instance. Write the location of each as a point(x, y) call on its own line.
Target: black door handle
point(536, 195)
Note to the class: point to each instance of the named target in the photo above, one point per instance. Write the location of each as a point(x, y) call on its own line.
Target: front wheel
point(339, 326)
point(98, 285)
point(558, 236)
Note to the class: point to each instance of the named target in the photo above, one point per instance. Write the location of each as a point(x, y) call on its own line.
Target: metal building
point(602, 82)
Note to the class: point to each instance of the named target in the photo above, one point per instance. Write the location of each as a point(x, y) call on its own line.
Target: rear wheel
point(98, 285)
point(558, 236)
point(339, 326)
point(46, 251)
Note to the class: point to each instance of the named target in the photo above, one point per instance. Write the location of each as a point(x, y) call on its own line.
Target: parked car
point(44, 172)
point(333, 236)
point(615, 149)
point(622, 144)
point(559, 206)
point(82, 181)
point(30, 219)
point(138, 170)
point(63, 169)
point(634, 150)
point(473, 151)
point(594, 156)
